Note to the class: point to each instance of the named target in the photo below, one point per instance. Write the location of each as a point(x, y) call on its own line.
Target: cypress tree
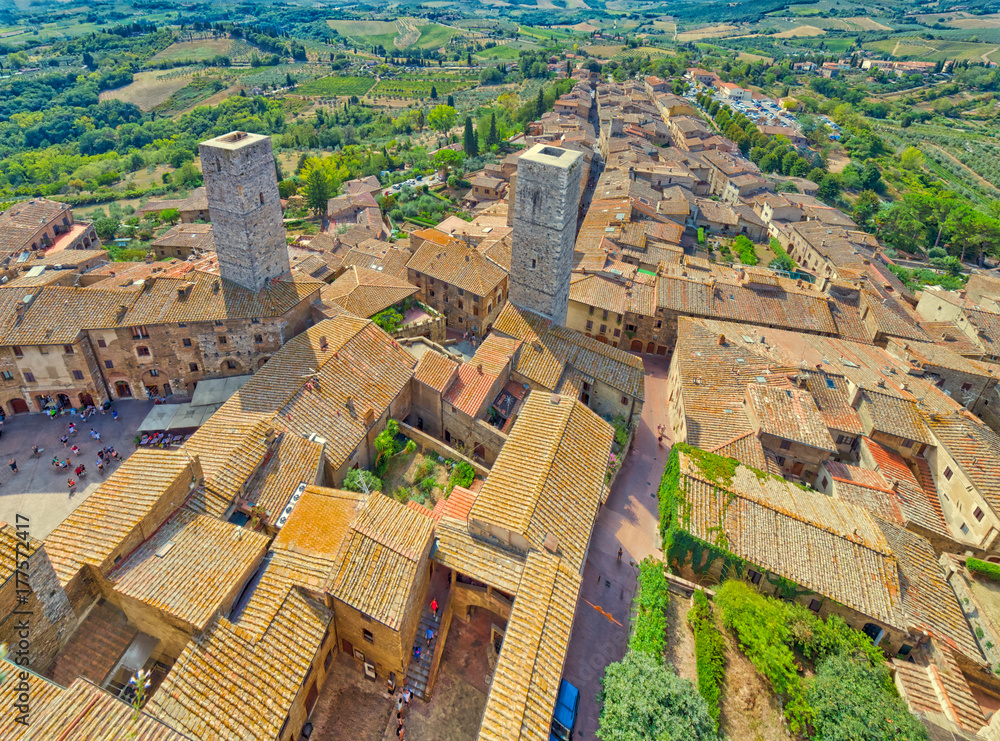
point(470, 143)
point(491, 139)
point(540, 104)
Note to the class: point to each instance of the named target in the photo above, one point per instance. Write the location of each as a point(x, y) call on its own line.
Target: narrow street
point(629, 520)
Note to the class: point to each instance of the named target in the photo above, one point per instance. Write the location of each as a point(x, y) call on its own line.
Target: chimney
point(722, 339)
point(369, 417)
point(480, 368)
point(551, 543)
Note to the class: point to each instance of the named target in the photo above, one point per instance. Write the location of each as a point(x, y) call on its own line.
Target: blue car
point(564, 717)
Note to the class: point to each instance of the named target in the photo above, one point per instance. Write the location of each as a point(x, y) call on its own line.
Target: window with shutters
point(78, 375)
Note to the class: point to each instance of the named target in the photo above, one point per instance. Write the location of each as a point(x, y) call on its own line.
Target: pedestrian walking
point(72, 428)
point(407, 695)
point(13, 465)
point(55, 461)
point(434, 608)
point(619, 554)
point(429, 636)
point(400, 702)
point(114, 414)
point(64, 440)
point(72, 485)
point(75, 450)
point(100, 465)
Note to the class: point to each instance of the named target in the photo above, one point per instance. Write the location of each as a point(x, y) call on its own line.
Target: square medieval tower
point(242, 189)
point(546, 207)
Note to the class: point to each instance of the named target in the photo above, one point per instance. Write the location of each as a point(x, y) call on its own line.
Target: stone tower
point(546, 205)
point(242, 189)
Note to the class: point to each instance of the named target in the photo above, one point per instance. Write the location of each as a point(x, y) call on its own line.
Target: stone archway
point(123, 389)
point(636, 346)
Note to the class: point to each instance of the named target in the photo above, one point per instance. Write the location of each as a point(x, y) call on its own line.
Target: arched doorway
point(64, 401)
point(873, 631)
point(636, 346)
point(17, 406)
point(650, 348)
point(151, 380)
point(86, 400)
point(260, 363)
point(41, 401)
point(231, 367)
point(123, 390)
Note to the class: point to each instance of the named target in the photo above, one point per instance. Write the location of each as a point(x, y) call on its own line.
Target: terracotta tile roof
point(436, 370)
point(924, 354)
point(193, 237)
point(526, 681)
point(790, 413)
point(190, 566)
point(987, 326)
point(829, 391)
point(470, 390)
point(81, 712)
point(495, 353)
point(975, 448)
point(598, 291)
point(366, 292)
point(382, 257)
point(948, 335)
point(459, 265)
point(745, 448)
point(893, 415)
point(547, 348)
point(22, 221)
point(324, 381)
point(458, 504)
point(67, 258)
point(832, 548)
point(916, 502)
point(381, 558)
point(929, 601)
point(940, 688)
point(292, 461)
point(233, 686)
point(121, 505)
point(548, 480)
point(457, 549)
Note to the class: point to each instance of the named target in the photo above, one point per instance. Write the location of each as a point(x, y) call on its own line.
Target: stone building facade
point(548, 190)
point(243, 199)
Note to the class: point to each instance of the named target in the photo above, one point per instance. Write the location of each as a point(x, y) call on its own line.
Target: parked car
point(564, 717)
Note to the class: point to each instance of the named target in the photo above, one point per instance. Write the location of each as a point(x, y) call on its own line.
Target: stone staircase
point(418, 672)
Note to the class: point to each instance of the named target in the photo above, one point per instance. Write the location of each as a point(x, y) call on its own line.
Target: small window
point(590, 311)
point(618, 333)
point(17, 351)
point(140, 333)
point(255, 321)
point(102, 343)
point(754, 576)
point(780, 460)
point(978, 514)
point(78, 375)
point(964, 529)
point(590, 325)
point(186, 342)
point(604, 328)
point(231, 364)
point(604, 315)
point(261, 196)
point(143, 352)
point(907, 443)
point(966, 386)
point(461, 304)
point(475, 311)
point(824, 482)
point(154, 372)
point(68, 349)
point(658, 324)
point(904, 650)
point(108, 364)
point(814, 605)
point(368, 635)
point(624, 400)
point(223, 340)
point(830, 384)
point(182, 324)
point(534, 264)
point(193, 367)
point(461, 292)
point(258, 338)
point(218, 322)
point(7, 376)
point(29, 376)
point(785, 445)
point(630, 328)
point(948, 473)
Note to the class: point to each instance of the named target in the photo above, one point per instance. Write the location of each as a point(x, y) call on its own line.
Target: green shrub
point(352, 482)
point(710, 653)
point(649, 628)
point(762, 629)
point(745, 249)
point(461, 475)
point(423, 470)
point(390, 320)
point(985, 569)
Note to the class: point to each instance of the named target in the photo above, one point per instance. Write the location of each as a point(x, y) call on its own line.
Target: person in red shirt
point(434, 608)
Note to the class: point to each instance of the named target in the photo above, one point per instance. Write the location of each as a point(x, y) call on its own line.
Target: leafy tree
point(829, 186)
point(445, 159)
point(442, 118)
point(470, 142)
point(642, 699)
point(911, 158)
point(352, 482)
point(865, 207)
point(106, 228)
point(855, 701)
point(317, 191)
point(170, 216)
point(188, 175)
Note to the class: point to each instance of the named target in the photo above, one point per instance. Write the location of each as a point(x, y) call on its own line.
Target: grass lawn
point(333, 85)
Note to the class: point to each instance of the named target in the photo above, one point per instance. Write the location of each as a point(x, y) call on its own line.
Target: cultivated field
point(933, 50)
point(419, 86)
point(197, 51)
point(800, 31)
point(400, 34)
point(151, 88)
point(333, 86)
point(708, 32)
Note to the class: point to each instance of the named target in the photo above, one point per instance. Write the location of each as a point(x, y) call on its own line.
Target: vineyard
point(642, 52)
point(419, 86)
point(199, 50)
point(333, 86)
point(402, 33)
point(150, 88)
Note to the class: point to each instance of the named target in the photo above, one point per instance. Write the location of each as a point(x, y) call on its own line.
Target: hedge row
point(649, 627)
point(710, 653)
point(985, 569)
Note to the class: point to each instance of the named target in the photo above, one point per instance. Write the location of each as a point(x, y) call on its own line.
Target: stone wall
point(426, 442)
point(242, 189)
point(548, 189)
